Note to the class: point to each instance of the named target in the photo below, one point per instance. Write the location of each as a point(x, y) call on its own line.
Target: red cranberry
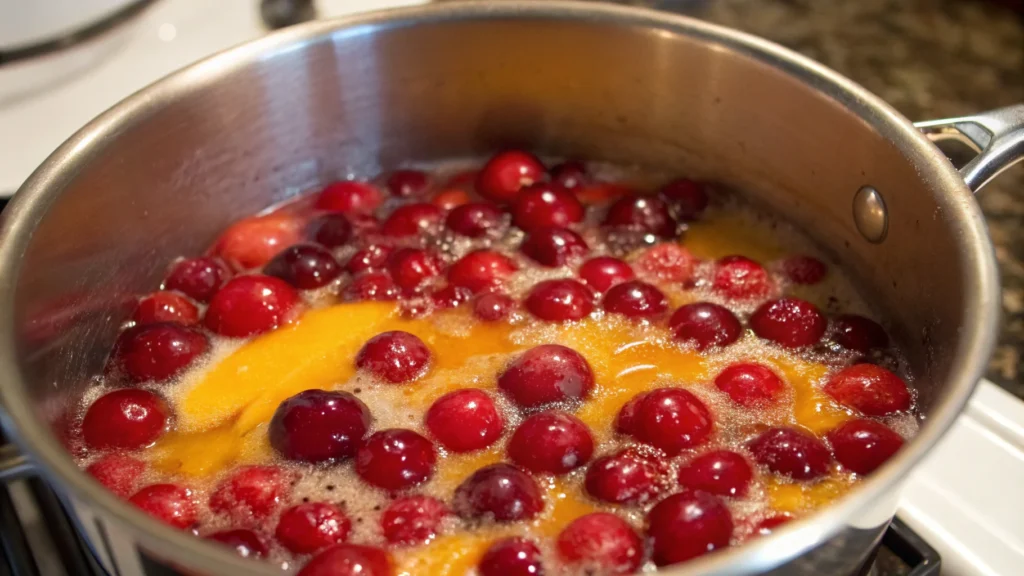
point(117, 472)
point(804, 269)
point(305, 266)
point(348, 560)
point(506, 173)
point(331, 230)
point(168, 503)
point(371, 286)
point(465, 420)
point(554, 247)
point(552, 442)
point(312, 526)
point(197, 278)
point(411, 267)
point(511, 557)
point(870, 389)
point(687, 525)
point(603, 272)
point(791, 452)
point(413, 520)
point(481, 270)
point(499, 492)
point(862, 445)
point(686, 199)
point(569, 175)
point(545, 374)
point(673, 419)
point(858, 333)
point(251, 492)
point(245, 543)
point(395, 459)
point(412, 220)
point(789, 322)
point(601, 541)
point(319, 426)
point(158, 352)
point(450, 199)
point(626, 422)
point(250, 305)
point(720, 472)
point(493, 307)
point(625, 477)
point(741, 278)
point(394, 356)
point(349, 197)
point(475, 219)
point(407, 183)
point(703, 325)
point(644, 214)
point(666, 262)
point(545, 206)
point(128, 418)
point(166, 307)
point(373, 257)
point(635, 299)
point(252, 242)
point(560, 300)
point(769, 524)
point(750, 385)
point(450, 296)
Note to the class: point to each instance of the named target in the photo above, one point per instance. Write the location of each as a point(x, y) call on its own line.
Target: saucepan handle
point(997, 136)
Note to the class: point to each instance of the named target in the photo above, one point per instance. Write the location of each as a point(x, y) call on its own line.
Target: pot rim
point(35, 196)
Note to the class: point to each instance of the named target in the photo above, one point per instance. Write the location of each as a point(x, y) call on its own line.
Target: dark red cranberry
point(252, 242)
point(686, 199)
point(493, 307)
point(305, 266)
point(450, 199)
point(869, 389)
point(704, 325)
point(635, 299)
point(862, 445)
point(512, 557)
point(373, 257)
point(545, 206)
point(158, 352)
point(450, 296)
point(412, 267)
point(319, 426)
point(475, 219)
point(719, 472)
point(128, 418)
point(804, 269)
point(166, 307)
point(603, 272)
point(569, 175)
point(644, 214)
point(789, 322)
point(251, 493)
point(602, 542)
point(464, 420)
point(769, 524)
point(673, 419)
point(741, 278)
point(348, 560)
point(750, 385)
point(481, 270)
point(499, 492)
point(331, 230)
point(250, 305)
point(545, 374)
point(395, 459)
point(349, 197)
point(560, 300)
point(413, 520)
point(408, 183)
point(791, 452)
point(394, 356)
point(687, 525)
point(312, 526)
point(169, 503)
point(554, 247)
point(245, 543)
point(552, 442)
point(626, 477)
point(371, 286)
point(626, 422)
point(412, 220)
point(197, 278)
point(666, 262)
point(858, 333)
point(506, 173)
point(118, 473)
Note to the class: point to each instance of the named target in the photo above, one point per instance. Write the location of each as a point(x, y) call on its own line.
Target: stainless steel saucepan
point(161, 173)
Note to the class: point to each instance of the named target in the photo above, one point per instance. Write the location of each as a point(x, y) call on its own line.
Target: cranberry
point(411, 267)
point(703, 325)
point(117, 472)
point(250, 305)
point(569, 175)
point(197, 278)
point(412, 220)
point(686, 199)
point(687, 525)
point(545, 374)
point(626, 422)
point(348, 560)
point(319, 426)
point(407, 183)
point(413, 520)
point(858, 333)
point(552, 442)
point(371, 286)
point(673, 419)
point(331, 230)
point(312, 526)
point(128, 418)
point(493, 307)
point(373, 257)
point(252, 242)
point(465, 420)
point(304, 266)
point(506, 173)
point(158, 352)
point(625, 477)
point(560, 300)
point(741, 278)
point(481, 270)
point(475, 219)
point(251, 492)
point(450, 199)
point(245, 543)
point(601, 541)
point(545, 206)
point(667, 262)
point(349, 197)
point(870, 389)
point(395, 459)
point(603, 272)
point(769, 524)
point(789, 322)
point(719, 472)
point(394, 356)
point(750, 385)
point(168, 503)
point(804, 269)
point(450, 296)
point(166, 307)
point(511, 557)
point(554, 247)
point(499, 492)
point(644, 214)
point(862, 445)
point(635, 299)
point(791, 452)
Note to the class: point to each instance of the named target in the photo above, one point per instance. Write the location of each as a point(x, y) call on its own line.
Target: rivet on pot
point(870, 214)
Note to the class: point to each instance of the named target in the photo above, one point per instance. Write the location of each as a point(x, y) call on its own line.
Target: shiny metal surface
point(160, 174)
point(997, 136)
point(870, 214)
